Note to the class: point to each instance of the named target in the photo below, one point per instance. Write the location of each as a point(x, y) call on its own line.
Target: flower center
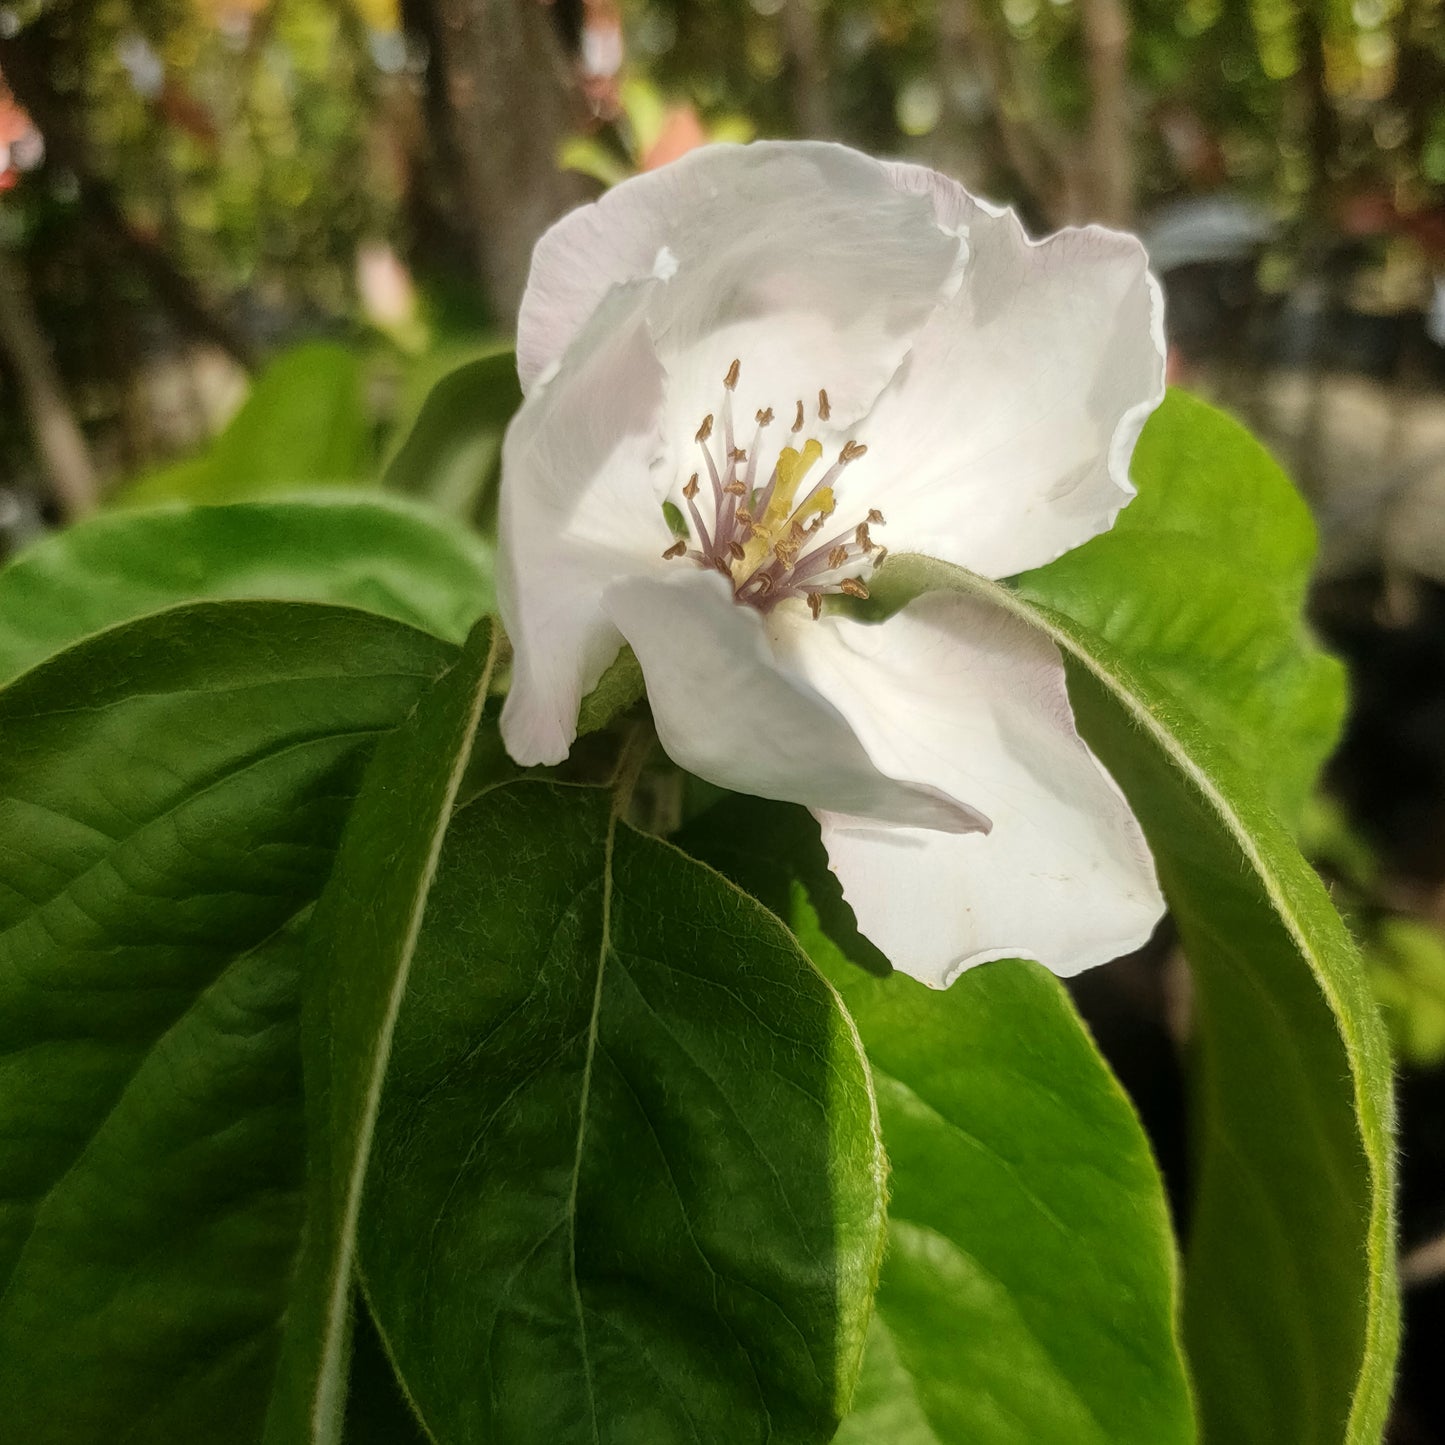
point(769, 535)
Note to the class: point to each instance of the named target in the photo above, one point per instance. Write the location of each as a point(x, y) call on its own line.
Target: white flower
point(810, 354)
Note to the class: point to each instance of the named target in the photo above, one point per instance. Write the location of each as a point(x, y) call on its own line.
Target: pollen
point(769, 533)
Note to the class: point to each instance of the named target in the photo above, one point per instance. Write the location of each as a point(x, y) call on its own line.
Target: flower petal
point(1005, 438)
point(725, 710)
point(801, 259)
point(955, 692)
point(577, 511)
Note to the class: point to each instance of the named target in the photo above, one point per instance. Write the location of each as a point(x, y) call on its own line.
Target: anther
point(734, 489)
point(851, 452)
point(798, 420)
point(853, 587)
point(765, 416)
point(824, 410)
point(676, 550)
point(876, 517)
point(815, 604)
point(705, 430)
point(690, 490)
point(736, 549)
point(838, 556)
point(745, 517)
point(861, 537)
point(786, 553)
point(731, 379)
point(878, 557)
point(764, 584)
point(737, 455)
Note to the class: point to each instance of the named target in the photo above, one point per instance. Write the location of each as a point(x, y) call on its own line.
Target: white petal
point(577, 511)
point(726, 711)
point(801, 259)
point(1005, 438)
point(954, 692)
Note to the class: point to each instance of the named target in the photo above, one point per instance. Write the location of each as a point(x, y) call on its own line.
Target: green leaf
point(450, 452)
point(1201, 582)
point(379, 554)
point(1029, 1288)
point(173, 790)
point(363, 939)
point(626, 1182)
point(1291, 1300)
point(1028, 1292)
point(304, 423)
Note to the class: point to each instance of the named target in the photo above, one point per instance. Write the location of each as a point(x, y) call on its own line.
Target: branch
point(1109, 142)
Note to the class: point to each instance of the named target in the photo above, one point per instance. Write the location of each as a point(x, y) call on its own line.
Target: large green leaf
point(1029, 1290)
point(626, 1183)
point(364, 937)
point(1028, 1293)
point(450, 451)
point(304, 423)
point(171, 792)
point(1291, 1310)
point(379, 554)
point(1201, 582)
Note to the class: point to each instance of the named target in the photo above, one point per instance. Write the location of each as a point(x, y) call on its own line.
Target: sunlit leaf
point(304, 423)
point(1202, 581)
point(381, 554)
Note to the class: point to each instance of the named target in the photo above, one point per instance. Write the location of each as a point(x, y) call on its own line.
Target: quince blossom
point(816, 359)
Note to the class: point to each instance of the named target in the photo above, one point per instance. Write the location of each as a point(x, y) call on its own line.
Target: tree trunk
point(58, 437)
point(513, 99)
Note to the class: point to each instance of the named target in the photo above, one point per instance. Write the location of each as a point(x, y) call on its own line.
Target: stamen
point(763, 531)
point(878, 557)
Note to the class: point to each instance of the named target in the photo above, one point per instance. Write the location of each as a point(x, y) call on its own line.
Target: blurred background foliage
point(254, 246)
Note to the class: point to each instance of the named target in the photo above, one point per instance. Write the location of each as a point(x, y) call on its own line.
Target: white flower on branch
point(816, 359)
